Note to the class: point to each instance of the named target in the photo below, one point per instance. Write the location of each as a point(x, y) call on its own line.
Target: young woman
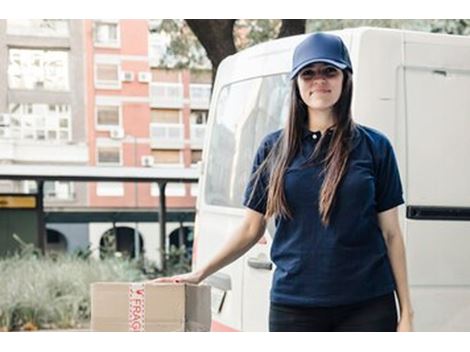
point(333, 187)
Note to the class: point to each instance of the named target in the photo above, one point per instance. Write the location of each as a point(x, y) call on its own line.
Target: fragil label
point(136, 307)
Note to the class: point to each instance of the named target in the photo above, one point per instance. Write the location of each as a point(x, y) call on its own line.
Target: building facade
point(92, 92)
point(42, 110)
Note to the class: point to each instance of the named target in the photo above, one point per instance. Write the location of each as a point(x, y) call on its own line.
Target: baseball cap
point(321, 47)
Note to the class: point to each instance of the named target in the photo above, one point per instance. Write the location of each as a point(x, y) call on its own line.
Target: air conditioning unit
point(145, 77)
point(127, 76)
point(147, 160)
point(116, 133)
point(5, 120)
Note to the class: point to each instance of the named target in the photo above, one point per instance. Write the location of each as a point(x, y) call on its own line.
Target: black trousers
point(376, 314)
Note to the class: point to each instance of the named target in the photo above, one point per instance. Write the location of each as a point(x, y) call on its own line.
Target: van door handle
point(257, 263)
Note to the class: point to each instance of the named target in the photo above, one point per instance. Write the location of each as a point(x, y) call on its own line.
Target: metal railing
point(166, 135)
point(166, 95)
point(200, 96)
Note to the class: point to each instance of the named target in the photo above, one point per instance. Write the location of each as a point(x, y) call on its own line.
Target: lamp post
point(136, 204)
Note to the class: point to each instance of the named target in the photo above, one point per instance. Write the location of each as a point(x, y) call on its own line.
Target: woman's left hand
point(405, 324)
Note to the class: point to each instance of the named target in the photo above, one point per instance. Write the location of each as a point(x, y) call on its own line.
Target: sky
point(237, 9)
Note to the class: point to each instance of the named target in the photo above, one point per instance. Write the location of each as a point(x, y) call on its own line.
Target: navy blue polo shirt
point(345, 262)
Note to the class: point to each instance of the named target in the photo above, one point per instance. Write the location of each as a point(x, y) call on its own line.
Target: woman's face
point(320, 85)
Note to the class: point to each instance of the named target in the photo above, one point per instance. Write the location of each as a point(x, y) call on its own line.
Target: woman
point(333, 187)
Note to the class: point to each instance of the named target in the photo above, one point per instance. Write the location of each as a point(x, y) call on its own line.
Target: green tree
point(449, 26)
point(195, 43)
point(461, 27)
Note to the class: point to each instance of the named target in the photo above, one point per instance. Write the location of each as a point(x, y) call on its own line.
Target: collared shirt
point(346, 261)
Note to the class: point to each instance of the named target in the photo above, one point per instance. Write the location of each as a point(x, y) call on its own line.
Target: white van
point(412, 86)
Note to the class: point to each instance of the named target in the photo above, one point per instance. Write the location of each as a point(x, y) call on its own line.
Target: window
point(162, 75)
point(107, 76)
point(38, 27)
point(109, 155)
point(198, 127)
point(106, 33)
point(199, 117)
point(109, 189)
point(168, 134)
point(53, 190)
point(40, 122)
point(158, 44)
point(196, 156)
point(201, 76)
point(166, 116)
point(38, 69)
point(58, 190)
point(167, 156)
point(240, 124)
point(108, 116)
point(194, 189)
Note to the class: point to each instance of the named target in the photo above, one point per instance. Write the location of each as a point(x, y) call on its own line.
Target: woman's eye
point(307, 73)
point(330, 71)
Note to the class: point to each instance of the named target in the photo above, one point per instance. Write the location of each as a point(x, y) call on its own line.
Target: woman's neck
point(320, 120)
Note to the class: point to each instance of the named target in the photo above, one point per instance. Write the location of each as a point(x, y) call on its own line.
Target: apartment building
point(92, 92)
point(141, 115)
point(42, 114)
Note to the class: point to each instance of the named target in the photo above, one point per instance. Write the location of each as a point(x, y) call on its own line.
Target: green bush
point(53, 291)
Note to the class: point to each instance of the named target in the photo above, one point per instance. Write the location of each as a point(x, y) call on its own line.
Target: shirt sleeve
point(389, 191)
point(256, 191)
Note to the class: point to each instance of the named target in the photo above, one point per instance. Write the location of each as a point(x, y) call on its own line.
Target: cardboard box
point(120, 306)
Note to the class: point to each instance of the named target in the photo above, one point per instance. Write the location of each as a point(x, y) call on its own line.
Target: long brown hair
point(288, 145)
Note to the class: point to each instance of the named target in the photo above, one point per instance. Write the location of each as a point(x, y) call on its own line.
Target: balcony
point(166, 136)
point(36, 138)
point(43, 152)
point(200, 95)
point(36, 127)
point(197, 136)
point(166, 95)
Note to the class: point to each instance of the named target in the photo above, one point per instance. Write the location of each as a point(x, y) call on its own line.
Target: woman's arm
point(242, 239)
point(388, 222)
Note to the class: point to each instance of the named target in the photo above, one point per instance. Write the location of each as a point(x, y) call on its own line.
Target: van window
point(245, 113)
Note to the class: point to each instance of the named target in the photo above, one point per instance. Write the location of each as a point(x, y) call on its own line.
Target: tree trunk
point(216, 36)
point(292, 27)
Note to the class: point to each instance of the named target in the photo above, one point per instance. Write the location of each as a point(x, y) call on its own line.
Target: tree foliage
point(205, 43)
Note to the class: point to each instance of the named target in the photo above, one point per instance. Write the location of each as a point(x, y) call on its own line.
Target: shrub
point(53, 291)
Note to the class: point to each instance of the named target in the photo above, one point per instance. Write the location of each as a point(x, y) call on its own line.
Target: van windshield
point(245, 113)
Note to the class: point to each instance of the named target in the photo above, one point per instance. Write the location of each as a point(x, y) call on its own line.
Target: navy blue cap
point(321, 47)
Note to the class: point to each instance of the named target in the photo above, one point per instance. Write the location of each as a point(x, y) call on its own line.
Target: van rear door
point(437, 85)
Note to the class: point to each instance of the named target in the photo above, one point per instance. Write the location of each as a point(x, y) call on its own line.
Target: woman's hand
point(190, 278)
point(405, 324)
